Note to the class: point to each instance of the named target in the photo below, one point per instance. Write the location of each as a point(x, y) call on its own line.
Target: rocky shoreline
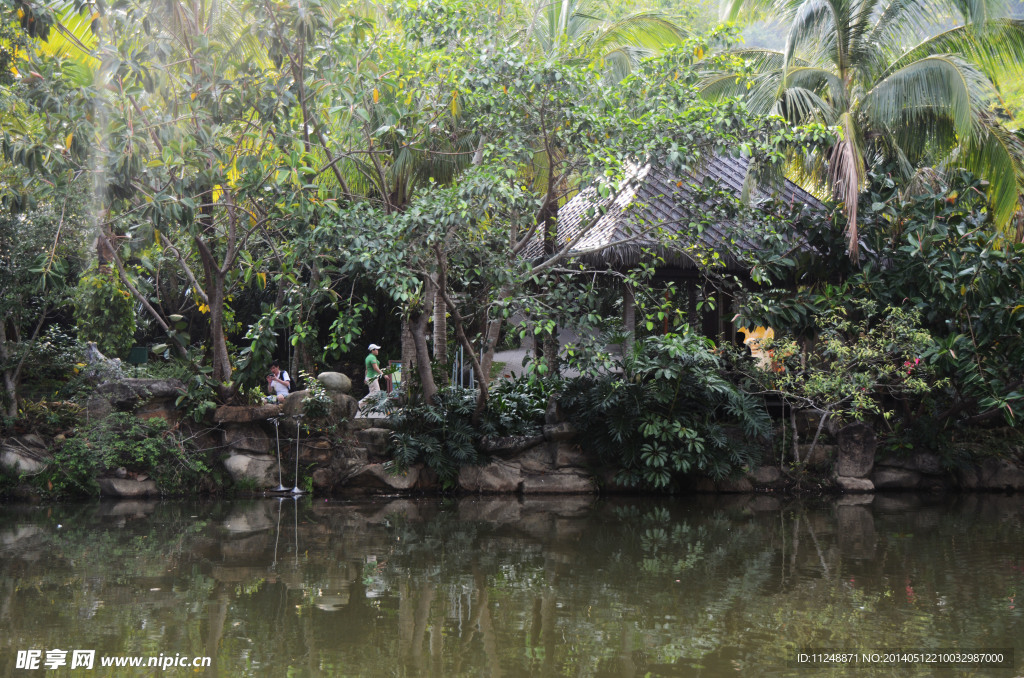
point(353, 459)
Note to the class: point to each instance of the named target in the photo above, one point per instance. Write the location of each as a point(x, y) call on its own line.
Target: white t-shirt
point(279, 388)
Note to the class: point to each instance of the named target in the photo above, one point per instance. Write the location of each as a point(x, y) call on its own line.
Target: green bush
point(517, 406)
point(443, 437)
point(440, 435)
point(122, 440)
point(104, 312)
point(665, 416)
point(932, 252)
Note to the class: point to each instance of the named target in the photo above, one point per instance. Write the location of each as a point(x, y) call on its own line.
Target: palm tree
point(904, 81)
point(574, 31)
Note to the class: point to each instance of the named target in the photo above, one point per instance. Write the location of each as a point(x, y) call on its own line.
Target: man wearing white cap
point(373, 373)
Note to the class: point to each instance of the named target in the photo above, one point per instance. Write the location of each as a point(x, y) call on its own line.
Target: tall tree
point(904, 80)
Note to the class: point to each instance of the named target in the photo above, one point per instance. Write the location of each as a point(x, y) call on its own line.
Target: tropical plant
point(930, 254)
point(440, 435)
point(666, 416)
point(104, 312)
point(39, 259)
point(580, 32)
point(121, 441)
point(905, 81)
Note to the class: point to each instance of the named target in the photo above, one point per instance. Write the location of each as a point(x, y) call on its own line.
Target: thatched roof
point(652, 198)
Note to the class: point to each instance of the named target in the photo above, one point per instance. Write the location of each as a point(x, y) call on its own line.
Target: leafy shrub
point(47, 418)
point(200, 396)
point(317, 403)
point(664, 416)
point(863, 363)
point(104, 312)
point(517, 406)
point(439, 435)
point(53, 367)
point(933, 251)
point(121, 440)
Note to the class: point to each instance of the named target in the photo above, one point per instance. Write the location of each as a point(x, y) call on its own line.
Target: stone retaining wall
point(354, 459)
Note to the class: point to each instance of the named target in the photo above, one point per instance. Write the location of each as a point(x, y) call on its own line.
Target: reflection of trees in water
point(505, 587)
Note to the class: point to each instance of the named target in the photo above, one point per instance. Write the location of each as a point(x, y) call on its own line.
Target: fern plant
point(439, 435)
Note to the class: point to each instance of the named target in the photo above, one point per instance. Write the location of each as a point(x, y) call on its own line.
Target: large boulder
point(767, 476)
point(820, 458)
point(375, 441)
point(343, 406)
point(559, 482)
point(560, 432)
point(258, 469)
point(245, 414)
point(335, 382)
point(498, 477)
point(292, 404)
point(857, 444)
point(570, 455)
point(149, 398)
point(892, 478)
point(100, 368)
point(536, 460)
point(127, 488)
point(848, 484)
point(922, 462)
point(24, 454)
point(380, 477)
point(1000, 474)
point(247, 438)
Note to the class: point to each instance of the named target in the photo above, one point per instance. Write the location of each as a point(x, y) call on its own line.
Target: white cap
point(374, 347)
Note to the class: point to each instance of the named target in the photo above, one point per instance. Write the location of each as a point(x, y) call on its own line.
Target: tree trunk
point(219, 357)
point(628, 319)
point(218, 339)
point(10, 380)
point(418, 329)
point(409, 381)
point(551, 347)
point(491, 336)
point(441, 327)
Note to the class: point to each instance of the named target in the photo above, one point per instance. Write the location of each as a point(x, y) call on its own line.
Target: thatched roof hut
point(653, 206)
point(651, 199)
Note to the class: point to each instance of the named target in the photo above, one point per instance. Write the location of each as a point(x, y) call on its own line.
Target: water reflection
point(506, 587)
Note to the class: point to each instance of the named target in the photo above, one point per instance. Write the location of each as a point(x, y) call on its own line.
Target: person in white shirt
point(278, 382)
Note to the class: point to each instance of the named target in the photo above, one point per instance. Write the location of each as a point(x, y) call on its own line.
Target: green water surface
point(503, 587)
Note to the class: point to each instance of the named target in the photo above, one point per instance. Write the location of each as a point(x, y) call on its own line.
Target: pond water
point(503, 587)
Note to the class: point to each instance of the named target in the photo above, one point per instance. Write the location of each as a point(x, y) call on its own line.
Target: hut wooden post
point(628, 318)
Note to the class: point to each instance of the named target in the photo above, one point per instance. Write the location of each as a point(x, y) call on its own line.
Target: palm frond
point(998, 155)
point(996, 46)
point(901, 21)
point(652, 30)
point(941, 85)
point(816, 23)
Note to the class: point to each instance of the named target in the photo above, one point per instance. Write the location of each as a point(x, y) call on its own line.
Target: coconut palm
point(907, 81)
point(573, 30)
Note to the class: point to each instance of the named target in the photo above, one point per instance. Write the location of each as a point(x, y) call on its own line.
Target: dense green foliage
point(909, 83)
point(669, 416)
point(929, 258)
point(444, 436)
point(236, 183)
point(122, 441)
point(104, 312)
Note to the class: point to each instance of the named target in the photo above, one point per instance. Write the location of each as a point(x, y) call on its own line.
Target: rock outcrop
point(25, 454)
point(147, 398)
